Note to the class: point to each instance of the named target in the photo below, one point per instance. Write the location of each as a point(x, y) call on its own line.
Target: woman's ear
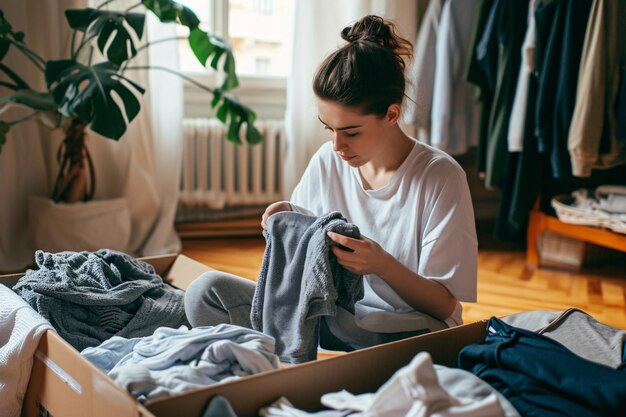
point(393, 113)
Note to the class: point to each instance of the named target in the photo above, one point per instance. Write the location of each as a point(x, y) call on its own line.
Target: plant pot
point(83, 226)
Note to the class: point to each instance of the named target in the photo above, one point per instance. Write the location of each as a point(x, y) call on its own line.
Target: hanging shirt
point(421, 74)
point(455, 113)
point(576, 17)
point(520, 103)
point(594, 118)
point(423, 217)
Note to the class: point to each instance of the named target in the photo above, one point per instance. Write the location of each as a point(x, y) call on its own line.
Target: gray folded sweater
point(300, 280)
point(89, 297)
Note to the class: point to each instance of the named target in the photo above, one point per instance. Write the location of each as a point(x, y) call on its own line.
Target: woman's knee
point(211, 296)
point(207, 280)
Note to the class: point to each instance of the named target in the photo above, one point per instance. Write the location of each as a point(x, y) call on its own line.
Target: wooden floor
point(505, 285)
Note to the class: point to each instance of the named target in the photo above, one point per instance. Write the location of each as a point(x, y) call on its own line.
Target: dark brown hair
point(368, 72)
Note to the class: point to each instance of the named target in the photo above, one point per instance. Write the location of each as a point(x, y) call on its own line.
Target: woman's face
point(356, 138)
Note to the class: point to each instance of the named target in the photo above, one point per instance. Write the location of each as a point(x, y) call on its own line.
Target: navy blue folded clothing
point(541, 377)
point(90, 297)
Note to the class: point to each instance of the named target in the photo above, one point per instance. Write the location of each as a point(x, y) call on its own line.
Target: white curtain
point(318, 25)
point(143, 166)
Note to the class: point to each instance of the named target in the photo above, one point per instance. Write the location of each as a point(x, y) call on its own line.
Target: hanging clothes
point(593, 121)
point(520, 103)
point(421, 74)
point(549, 21)
point(576, 15)
point(455, 113)
point(555, 21)
point(509, 33)
point(621, 107)
point(474, 75)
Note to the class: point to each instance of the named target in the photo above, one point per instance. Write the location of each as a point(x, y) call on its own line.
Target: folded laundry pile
point(176, 360)
point(90, 296)
point(604, 207)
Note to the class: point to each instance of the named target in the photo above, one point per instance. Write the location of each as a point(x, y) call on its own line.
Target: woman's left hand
point(367, 256)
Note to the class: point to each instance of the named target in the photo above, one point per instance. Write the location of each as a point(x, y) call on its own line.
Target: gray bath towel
point(89, 297)
point(300, 281)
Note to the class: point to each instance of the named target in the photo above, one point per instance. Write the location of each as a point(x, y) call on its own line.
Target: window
point(259, 31)
point(264, 6)
point(262, 65)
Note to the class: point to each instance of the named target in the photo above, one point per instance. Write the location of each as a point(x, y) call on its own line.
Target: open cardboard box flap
point(64, 384)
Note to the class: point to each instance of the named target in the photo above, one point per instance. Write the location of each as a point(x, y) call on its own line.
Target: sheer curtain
point(317, 33)
point(143, 166)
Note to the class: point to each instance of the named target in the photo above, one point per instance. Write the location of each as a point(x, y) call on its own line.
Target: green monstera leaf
point(115, 41)
point(6, 30)
point(88, 93)
point(234, 114)
point(170, 11)
point(203, 45)
point(4, 129)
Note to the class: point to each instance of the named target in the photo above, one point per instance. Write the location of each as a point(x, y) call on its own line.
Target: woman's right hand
point(274, 208)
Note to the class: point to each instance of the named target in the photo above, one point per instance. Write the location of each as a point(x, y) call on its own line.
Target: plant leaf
point(4, 129)
point(203, 45)
point(234, 115)
point(170, 11)
point(87, 93)
point(32, 99)
point(6, 30)
point(4, 47)
point(110, 28)
point(5, 26)
point(207, 46)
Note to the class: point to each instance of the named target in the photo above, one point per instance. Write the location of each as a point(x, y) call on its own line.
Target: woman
point(411, 202)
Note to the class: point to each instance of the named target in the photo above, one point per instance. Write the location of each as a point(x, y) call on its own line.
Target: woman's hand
point(274, 208)
point(367, 256)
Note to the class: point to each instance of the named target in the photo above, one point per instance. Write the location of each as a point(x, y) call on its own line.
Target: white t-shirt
point(423, 217)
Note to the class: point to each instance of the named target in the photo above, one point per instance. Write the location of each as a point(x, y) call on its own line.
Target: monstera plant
point(84, 94)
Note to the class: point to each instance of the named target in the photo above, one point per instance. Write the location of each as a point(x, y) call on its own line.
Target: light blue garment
point(176, 360)
point(300, 281)
point(89, 297)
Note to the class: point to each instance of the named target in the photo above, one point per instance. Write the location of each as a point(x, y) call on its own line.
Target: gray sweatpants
point(218, 297)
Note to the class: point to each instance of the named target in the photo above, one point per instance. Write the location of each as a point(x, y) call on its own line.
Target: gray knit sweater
point(300, 281)
point(89, 297)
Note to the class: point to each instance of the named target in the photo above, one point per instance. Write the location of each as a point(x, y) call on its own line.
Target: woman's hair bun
point(375, 29)
point(368, 28)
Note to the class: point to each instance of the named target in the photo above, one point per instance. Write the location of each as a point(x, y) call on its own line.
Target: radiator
point(217, 173)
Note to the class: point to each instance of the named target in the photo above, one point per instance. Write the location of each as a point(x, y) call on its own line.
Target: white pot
point(98, 224)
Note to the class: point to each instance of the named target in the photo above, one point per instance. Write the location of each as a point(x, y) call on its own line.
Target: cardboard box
point(358, 372)
point(64, 384)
